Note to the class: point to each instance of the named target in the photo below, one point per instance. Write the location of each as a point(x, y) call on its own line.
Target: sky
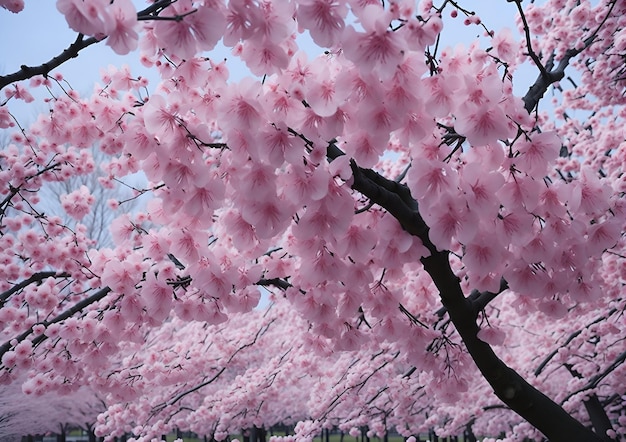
point(40, 32)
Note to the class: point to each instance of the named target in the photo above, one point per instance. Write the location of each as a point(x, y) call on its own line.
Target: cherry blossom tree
point(426, 234)
point(57, 197)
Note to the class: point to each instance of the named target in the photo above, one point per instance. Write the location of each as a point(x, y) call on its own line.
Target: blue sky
point(40, 32)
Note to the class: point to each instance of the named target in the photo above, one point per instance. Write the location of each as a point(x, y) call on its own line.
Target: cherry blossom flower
point(324, 19)
point(504, 45)
point(376, 48)
point(14, 6)
point(85, 17)
point(120, 24)
point(78, 203)
point(199, 28)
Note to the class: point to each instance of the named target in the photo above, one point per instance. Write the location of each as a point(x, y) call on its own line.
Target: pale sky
point(40, 32)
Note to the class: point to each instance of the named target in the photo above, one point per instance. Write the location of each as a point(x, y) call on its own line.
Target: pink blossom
point(5, 118)
point(504, 45)
point(483, 255)
point(120, 277)
point(377, 48)
point(324, 19)
point(85, 17)
point(480, 188)
point(264, 57)
point(19, 93)
point(14, 6)
point(268, 217)
point(491, 335)
point(590, 194)
point(421, 34)
point(120, 24)
point(198, 29)
point(160, 120)
point(482, 125)
point(603, 235)
point(537, 154)
point(553, 309)
point(78, 203)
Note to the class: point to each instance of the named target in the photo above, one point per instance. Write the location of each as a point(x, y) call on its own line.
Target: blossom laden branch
point(548, 75)
point(507, 384)
point(35, 278)
point(63, 316)
point(73, 50)
point(44, 69)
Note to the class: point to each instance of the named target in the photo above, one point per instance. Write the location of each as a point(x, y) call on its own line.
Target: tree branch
point(571, 337)
point(37, 277)
point(479, 299)
point(72, 51)
point(63, 316)
point(547, 75)
point(44, 69)
point(535, 407)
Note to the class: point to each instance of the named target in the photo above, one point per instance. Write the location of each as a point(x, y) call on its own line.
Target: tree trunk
point(468, 435)
point(61, 435)
point(528, 402)
point(432, 436)
point(599, 419)
point(539, 410)
point(364, 436)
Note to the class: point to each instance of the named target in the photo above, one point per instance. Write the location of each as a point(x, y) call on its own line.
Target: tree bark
point(599, 419)
point(539, 410)
point(521, 397)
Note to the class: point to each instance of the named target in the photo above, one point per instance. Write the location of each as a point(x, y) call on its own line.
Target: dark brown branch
point(276, 282)
point(479, 299)
point(37, 277)
point(532, 405)
point(63, 316)
point(72, 51)
point(549, 76)
point(44, 69)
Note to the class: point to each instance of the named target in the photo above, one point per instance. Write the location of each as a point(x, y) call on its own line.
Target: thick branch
point(37, 277)
point(44, 69)
point(72, 51)
point(479, 299)
point(63, 316)
point(539, 410)
point(549, 76)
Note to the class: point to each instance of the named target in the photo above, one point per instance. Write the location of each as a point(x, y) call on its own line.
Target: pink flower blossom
point(120, 24)
point(377, 48)
point(14, 6)
point(85, 17)
point(324, 19)
point(504, 45)
point(78, 203)
point(491, 335)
